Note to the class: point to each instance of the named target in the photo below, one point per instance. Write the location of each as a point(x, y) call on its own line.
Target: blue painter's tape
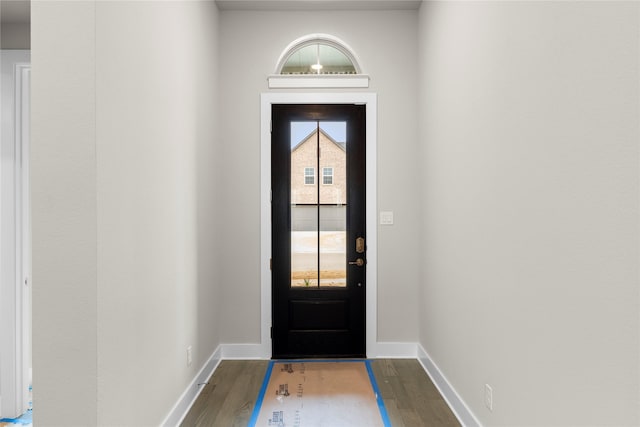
point(256, 410)
point(24, 419)
point(374, 384)
point(16, 421)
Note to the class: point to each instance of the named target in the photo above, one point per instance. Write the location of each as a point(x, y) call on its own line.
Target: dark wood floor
point(409, 396)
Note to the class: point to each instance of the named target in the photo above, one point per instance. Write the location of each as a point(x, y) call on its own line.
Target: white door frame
point(23, 229)
point(370, 100)
point(15, 247)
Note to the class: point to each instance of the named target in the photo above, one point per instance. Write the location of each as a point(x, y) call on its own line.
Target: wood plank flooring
point(409, 396)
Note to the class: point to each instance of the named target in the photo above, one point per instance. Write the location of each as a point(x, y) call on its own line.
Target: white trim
point(323, 81)
point(189, 396)
point(266, 100)
point(23, 233)
point(450, 395)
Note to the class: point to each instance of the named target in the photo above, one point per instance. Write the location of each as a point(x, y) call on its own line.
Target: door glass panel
point(318, 204)
point(333, 203)
point(304, 204)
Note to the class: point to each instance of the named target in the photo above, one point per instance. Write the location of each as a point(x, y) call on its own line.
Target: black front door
point(318, 230)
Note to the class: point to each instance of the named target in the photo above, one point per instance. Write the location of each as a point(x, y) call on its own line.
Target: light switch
point(386, 218)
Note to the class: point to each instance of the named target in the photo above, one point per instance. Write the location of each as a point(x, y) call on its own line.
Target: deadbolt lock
point(360, 245)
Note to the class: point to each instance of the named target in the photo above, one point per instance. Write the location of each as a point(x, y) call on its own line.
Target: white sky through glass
point(300, 130)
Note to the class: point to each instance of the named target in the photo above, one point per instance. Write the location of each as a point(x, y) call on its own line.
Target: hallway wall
point(250, 44)
point(124, 183)
point(529, 127)
point(64, 217)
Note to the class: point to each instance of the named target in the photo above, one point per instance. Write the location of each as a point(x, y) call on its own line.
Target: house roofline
point(306, 138)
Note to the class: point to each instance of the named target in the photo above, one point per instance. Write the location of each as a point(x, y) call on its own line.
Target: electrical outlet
point(386, 218)
point(189, 356)
point(488, 397)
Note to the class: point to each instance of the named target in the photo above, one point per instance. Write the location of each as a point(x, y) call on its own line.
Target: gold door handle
point(359, 262)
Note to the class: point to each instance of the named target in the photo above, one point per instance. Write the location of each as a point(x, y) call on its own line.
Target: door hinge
point(270, 263)
point(271, 332)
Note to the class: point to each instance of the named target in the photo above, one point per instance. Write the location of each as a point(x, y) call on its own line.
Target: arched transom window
point(318, 60)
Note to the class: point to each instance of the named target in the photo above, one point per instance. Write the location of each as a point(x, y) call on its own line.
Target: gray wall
point(64, 217)
point(124, 183)
point(529, 114)
point(386, 43)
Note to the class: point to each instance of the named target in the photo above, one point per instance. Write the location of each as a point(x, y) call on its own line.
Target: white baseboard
point(184, 403)
point(453, 399)
point(394, 350)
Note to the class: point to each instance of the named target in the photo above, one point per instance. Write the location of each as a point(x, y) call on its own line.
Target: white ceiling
point(318, 4)
point(15, 11)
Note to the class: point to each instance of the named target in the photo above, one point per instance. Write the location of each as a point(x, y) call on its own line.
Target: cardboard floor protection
point(336, 393)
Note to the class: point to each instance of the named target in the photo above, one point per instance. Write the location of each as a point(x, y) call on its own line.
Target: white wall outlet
point(386, 218)
point(488, 397)
point(189, 356)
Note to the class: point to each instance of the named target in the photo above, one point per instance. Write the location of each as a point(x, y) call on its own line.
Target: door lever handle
point(359, 262)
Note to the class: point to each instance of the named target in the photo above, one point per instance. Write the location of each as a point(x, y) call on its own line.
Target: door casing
point(267, 99)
